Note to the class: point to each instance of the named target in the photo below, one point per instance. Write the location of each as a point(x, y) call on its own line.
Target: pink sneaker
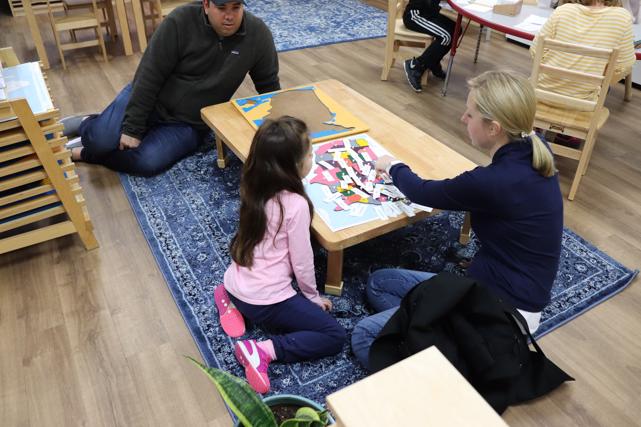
point(230, 318)
point(256, 362)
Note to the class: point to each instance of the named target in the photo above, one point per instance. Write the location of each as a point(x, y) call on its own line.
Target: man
point(198, 56)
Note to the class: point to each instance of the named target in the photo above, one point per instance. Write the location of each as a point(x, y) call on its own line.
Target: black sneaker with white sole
point(413, 72)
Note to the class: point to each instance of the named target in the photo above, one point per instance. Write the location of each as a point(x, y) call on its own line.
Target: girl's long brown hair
point(273, 165)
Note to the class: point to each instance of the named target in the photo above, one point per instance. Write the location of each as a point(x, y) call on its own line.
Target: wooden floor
point(94, 338)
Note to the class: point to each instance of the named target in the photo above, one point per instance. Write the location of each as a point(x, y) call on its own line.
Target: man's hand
point(327, 304)
point(128, 142)
point(383, 163)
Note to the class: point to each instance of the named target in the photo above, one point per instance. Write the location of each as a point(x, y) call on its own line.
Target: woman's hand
point(326, 304)
point(383, 163)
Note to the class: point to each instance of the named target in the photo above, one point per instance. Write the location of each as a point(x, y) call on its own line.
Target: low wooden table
point(427, 157)
point(422, 390)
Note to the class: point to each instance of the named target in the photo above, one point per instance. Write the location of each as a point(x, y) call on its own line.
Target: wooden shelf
point(38, 180)
point(38, 6)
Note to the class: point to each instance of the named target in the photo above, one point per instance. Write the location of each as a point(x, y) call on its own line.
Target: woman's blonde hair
point(509, 99)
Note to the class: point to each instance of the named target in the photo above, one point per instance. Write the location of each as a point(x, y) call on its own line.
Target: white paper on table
point(342, 204)
point(489, 3)
point(333, 196)
point(326, 165)
point(380, 213)
point(421, 207)
point(358, 210)
point(405, 208)
point(531, 24)
point(478, 8)
point(361, 193)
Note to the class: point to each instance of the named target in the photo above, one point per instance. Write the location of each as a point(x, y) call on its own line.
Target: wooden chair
point(159, 9)
point(107, 18)
point(398, 35)
point(562, 114)
point(70, 21)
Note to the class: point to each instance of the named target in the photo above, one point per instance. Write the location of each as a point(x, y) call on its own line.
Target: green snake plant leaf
point(239, 396)
point(306, 417)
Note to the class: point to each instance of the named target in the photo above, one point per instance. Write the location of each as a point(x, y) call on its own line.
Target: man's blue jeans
point(385, 290)
point(162, 146)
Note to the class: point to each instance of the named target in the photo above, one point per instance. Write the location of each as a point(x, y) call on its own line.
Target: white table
point(507, 24)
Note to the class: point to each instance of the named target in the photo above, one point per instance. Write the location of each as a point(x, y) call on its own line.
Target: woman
point(597, 23)
point(515, 205)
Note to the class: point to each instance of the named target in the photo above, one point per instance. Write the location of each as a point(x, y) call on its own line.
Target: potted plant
point(273, 411)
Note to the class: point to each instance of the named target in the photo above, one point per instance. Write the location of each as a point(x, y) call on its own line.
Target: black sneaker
point(413, 73)
point(438, 72)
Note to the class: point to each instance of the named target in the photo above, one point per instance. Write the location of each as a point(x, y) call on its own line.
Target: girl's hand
point(326, 304)
point(383, 163)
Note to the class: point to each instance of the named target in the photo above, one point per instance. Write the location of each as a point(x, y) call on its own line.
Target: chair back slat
point(577, 49)
point(566, 73)
point(566, 101)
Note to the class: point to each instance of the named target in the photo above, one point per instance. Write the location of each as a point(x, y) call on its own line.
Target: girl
point(597, 23)
point(515, 206)
point(273, 245)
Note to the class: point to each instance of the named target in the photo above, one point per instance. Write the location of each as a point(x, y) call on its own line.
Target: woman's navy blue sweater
point(516, 213)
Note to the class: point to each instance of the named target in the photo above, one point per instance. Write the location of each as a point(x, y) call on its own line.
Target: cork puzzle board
point(325, 118)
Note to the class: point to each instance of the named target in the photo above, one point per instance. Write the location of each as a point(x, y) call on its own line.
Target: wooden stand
point(37, 180)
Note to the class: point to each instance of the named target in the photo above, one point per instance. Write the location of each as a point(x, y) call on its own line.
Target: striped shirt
point(606, 27)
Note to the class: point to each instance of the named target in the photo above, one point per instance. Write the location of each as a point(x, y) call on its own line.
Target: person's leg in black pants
point(441, 28)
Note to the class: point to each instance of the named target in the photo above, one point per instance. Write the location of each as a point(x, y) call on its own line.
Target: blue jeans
point(385, 290)
point(162, 146)
point(302, 330)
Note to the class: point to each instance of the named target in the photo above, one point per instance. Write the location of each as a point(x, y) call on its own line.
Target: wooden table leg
point(136, 5)
point(220, 151)
point(124, 26)
point(35, 34)
point(334, 280)
point(466, 230)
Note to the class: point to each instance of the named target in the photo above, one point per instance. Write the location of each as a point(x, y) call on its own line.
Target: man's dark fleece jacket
point(187, 66)
point(517, 215)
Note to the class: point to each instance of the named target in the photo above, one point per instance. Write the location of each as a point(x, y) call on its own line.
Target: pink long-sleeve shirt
point(277, 260)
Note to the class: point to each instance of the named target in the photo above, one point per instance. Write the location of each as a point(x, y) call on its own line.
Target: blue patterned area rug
point(297, 24)
point(189, 214)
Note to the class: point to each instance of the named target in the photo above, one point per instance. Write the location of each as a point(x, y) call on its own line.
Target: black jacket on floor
point(483, 337)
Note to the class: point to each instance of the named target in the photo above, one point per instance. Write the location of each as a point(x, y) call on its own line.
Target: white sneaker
point(73, 143)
